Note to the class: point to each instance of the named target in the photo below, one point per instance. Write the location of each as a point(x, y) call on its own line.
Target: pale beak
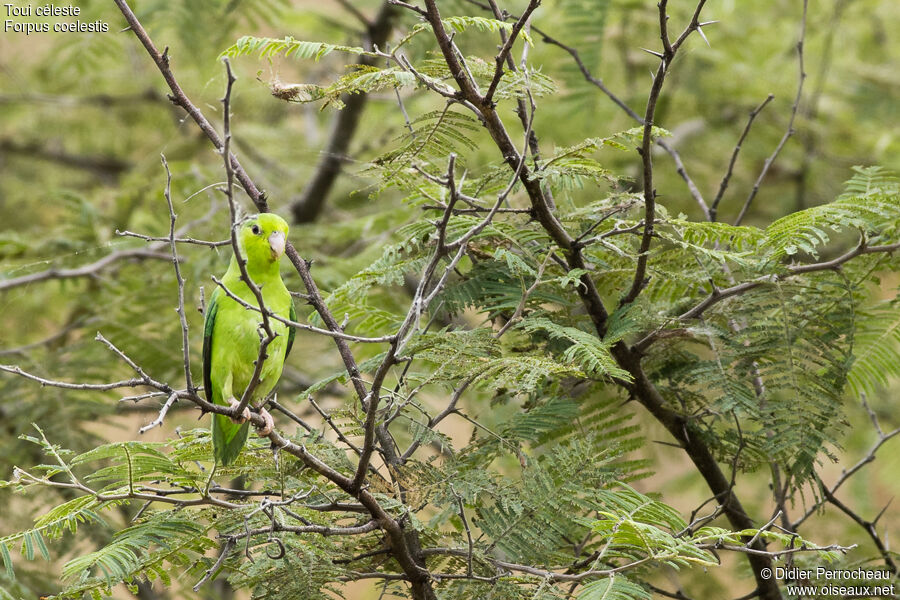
point(276, 243)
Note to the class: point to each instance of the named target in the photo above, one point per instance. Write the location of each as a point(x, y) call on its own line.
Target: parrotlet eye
point(255, 229)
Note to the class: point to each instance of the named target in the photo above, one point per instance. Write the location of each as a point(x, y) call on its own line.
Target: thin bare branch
point(178, 240)
point(185, 340)
point(639, 280)
point(517, 314)
point(303, 326)
point(173, 398)
point(507, 48)
point(99, 387)
point(90, 270)
point(718, 295)
point(211, 572)
point(713, 209)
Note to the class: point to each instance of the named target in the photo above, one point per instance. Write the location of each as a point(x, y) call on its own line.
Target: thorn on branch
point(659, 55)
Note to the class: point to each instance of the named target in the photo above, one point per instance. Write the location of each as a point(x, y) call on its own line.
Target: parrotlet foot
point(245, 416)
point(270, 423)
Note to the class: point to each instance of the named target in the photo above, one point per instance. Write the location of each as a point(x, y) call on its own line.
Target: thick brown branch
point(642, 388)
point(683, 431)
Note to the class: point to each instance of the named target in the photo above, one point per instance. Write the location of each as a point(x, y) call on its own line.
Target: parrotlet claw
point(245, 416)
point(269, 426)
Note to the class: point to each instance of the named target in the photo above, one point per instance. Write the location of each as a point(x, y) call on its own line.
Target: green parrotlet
point(231, 337)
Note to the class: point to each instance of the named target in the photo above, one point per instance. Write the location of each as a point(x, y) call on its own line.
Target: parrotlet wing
point(291, 331)
point(228, 437)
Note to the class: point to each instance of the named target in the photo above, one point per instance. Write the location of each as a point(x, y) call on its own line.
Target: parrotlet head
point(262, 239)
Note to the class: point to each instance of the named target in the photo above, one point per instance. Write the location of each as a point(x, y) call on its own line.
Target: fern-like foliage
point(616, 587)
point(781, 355)
point(585, 26)
point(876, 348)
point(582, 348)
point(269, 47)
point(869, 206)
point(150, 548)
point(529, 494)
point(461, 23)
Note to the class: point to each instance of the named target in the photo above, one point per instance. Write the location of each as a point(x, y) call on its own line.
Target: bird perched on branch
point(233, 333)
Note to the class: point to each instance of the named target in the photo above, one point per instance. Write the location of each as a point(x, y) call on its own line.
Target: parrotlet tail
point(228, 439)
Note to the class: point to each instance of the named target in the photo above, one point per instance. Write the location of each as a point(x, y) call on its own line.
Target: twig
point(590, 78)
point(597, 82)
point(302, 326)
point(173, 398)
point(273, 402)
point(848, 473)
point(555, 576)
point(682, 171)
point(713, 209)
point(223, 554)
point(507, 47)
point(407, 6)
point(137, 369)
point(432, 422)
point(268, 334)
point(99, 387)
point(762, 529)
point(178, 240)
point(465, 522)
point(421, 300)
point(406, 120)
point(718, 295)
point(90, 270)
point(324, 530)
point(678, 595)
point(868, 526)
point(521, 109)
point(670, 48)
point(517, 314)
point(335, 428)
point(185, 342)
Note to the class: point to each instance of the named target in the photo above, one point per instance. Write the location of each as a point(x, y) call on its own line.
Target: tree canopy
point(595, 298)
